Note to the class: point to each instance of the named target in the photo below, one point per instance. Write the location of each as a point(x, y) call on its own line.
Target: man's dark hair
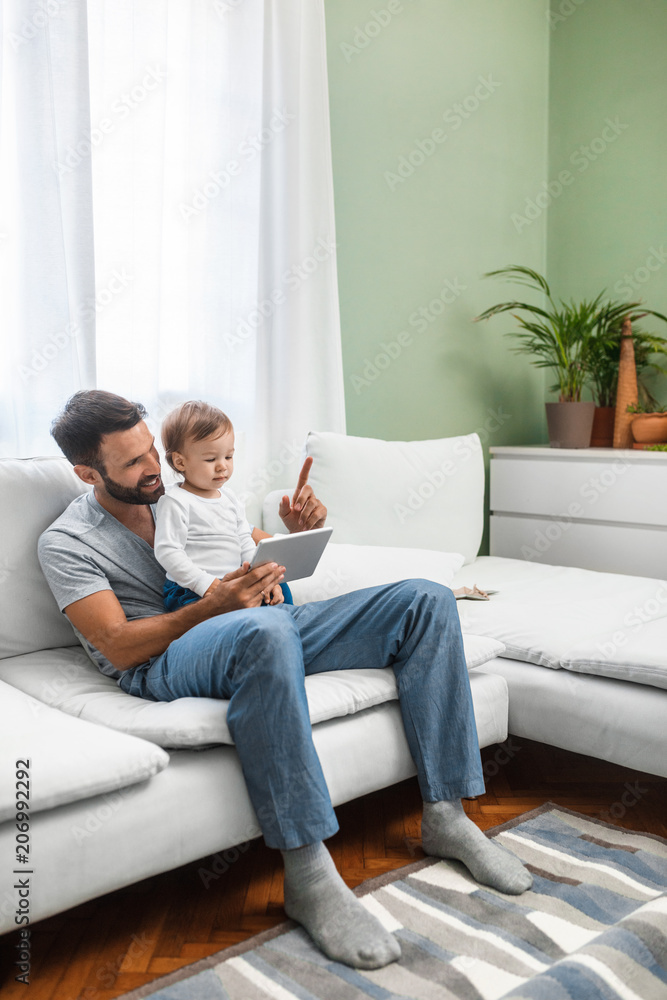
point(89, 415)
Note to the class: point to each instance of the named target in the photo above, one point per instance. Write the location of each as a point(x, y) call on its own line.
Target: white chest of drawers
point(597, 508)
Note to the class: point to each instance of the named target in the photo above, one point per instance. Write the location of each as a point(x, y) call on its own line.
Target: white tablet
point(298, 553)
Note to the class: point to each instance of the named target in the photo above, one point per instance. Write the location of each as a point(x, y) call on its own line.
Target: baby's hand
point(216, 583)
point(277, 596)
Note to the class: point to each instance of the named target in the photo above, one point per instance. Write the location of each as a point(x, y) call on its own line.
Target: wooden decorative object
point(627, 392)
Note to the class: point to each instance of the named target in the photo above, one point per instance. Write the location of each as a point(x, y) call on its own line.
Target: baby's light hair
point(194, 420)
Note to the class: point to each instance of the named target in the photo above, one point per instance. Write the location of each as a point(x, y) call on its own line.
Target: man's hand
point(305, 511)
point(244, 588)
point(102, 621)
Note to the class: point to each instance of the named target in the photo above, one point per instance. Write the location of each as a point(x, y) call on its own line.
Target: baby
point(201, 529)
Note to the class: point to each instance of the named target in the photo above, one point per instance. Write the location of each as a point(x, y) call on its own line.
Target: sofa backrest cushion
point(33, 493)
point(417, 494)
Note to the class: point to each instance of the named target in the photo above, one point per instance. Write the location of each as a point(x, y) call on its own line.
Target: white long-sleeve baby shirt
point(197, 539)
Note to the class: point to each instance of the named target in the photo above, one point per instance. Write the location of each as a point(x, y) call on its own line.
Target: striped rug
point(593, 927)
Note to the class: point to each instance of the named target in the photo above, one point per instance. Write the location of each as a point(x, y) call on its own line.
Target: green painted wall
point(608, 229)
point(558, 161)
point(397, 71)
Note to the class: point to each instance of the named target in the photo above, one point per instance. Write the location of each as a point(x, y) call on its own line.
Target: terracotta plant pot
point(570, 424)
point(650, 428)
point(602, 435)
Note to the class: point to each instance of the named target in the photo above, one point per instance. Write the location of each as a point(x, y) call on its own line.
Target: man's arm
point(101, 620)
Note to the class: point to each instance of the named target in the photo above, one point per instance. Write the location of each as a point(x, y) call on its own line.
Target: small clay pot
point(602, 435)
point(650, 428)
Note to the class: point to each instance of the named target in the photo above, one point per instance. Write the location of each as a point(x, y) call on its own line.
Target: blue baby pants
point(176, 597)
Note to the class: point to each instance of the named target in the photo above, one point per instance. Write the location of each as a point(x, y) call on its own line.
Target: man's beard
point(131, 494)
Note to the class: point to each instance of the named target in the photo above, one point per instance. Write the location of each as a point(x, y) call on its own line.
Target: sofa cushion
point(33, 493)
point(344, 568)
point(566, 618)
point(477, 652)
point(416, 494)
point(68, 680)
point(69, 759)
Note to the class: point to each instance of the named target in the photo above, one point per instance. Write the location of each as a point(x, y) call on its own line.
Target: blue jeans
point(258, 658)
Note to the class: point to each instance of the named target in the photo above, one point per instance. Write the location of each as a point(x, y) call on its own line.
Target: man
point(99, 562)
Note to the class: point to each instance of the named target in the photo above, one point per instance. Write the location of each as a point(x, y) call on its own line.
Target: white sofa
point(122, 789)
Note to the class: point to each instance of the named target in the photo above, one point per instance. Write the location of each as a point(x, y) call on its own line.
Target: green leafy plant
point(651, 407)
point(604, 358)
point(656, 447)
point(579, 340)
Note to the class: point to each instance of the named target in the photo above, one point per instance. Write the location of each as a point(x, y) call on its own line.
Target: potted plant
point(581, 342)
point(603, 359)
point(649, 425)
point(558, 337)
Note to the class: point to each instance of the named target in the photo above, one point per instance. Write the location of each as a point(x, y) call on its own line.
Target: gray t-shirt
point(87, 550)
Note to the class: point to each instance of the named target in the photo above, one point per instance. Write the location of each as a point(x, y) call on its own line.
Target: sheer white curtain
point(214, 229)
point(214, 237)
point(47, 290)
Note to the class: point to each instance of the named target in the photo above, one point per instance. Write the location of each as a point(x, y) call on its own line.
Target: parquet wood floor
point(125, 939)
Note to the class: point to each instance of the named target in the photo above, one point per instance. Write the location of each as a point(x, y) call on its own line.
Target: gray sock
point(448, 833)
point(317, 897)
